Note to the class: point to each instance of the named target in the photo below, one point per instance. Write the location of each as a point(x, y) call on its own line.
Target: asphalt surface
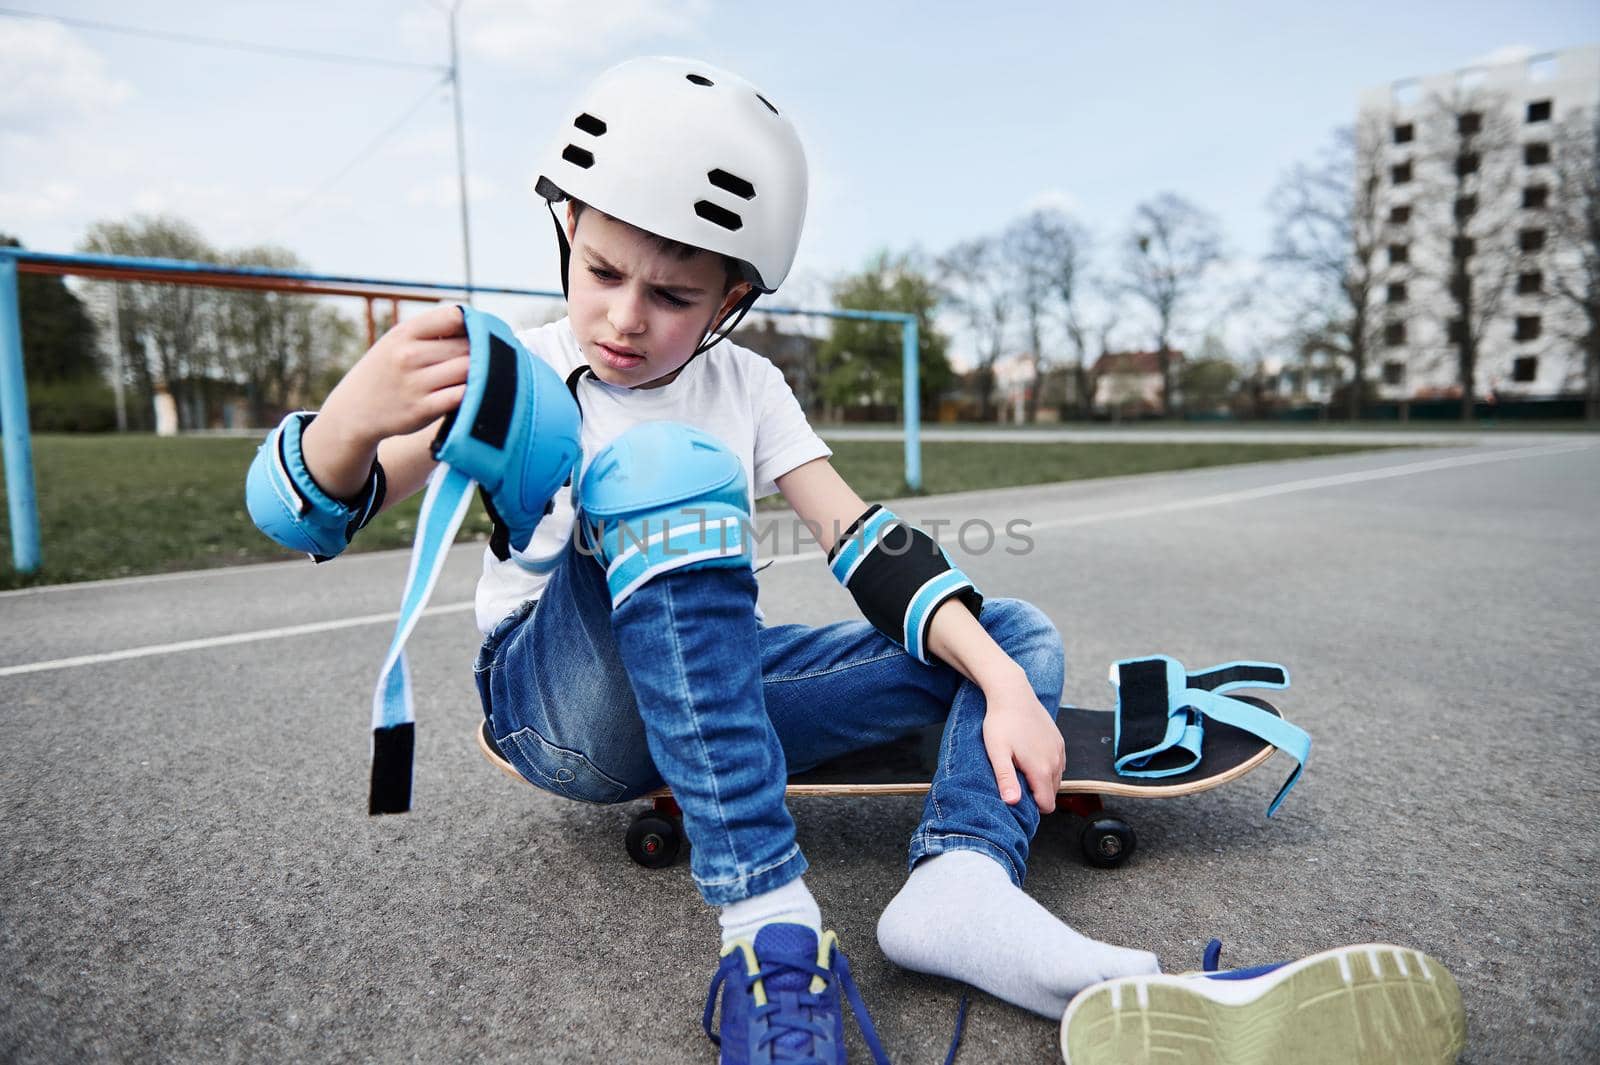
point(187, 872)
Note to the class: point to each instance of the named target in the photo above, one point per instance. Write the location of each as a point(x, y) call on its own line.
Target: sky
point(925, 124)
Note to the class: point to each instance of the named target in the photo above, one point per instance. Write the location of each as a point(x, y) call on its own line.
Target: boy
point(610, 667)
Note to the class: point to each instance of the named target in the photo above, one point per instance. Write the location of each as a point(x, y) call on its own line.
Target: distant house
point(793, 353)
point(1129, 382)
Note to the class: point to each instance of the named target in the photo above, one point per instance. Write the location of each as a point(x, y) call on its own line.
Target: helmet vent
point(768, 102)
point(700, 79)
point(578, 156)
point(732, 183)
point(589, 124)
point(720, 216)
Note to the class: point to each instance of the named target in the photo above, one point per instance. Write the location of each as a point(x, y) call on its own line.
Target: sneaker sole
point(1363, 1005)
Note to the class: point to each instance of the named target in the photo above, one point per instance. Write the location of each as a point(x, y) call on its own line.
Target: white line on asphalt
point(1305, 485)
point(1308, 485)
point(223, 641)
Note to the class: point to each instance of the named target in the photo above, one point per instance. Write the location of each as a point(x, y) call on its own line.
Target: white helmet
point(683, 150)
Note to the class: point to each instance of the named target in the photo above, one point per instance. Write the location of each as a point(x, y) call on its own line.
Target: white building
point(1478, 143)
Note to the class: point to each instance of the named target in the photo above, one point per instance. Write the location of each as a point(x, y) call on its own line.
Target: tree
point(1170, 248)
point(1208, 381)
point(59, 340)
point(975, 281)
point(865, 358)
point(1048, 252)
point(160, 324)
point(274, 343)
point(1331, 233)
point(1574, 255)
point(1469, 158)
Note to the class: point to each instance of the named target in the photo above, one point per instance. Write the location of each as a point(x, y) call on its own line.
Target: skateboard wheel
point(653, 840)
point(1107, 842)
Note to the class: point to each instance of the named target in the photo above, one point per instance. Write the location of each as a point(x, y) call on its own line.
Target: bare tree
point(975, 280)
point(1332, 229)
point(1574, 254)
point(163, 322)
point(1169, 250)
point(1050, 252)
point(1470, 242)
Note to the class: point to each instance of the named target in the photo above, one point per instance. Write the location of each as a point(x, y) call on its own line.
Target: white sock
point(961, 917)
point(790, 904)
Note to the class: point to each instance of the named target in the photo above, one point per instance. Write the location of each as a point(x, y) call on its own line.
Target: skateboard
point(905, 767)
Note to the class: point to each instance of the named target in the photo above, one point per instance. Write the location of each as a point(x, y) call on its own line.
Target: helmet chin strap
point(715, 334)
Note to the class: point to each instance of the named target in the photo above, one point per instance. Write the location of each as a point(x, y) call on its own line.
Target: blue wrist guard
point(898, 575)
point(290, 507)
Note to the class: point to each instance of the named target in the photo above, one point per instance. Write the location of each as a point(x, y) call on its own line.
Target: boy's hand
point(410, 378)
point(1020, 736)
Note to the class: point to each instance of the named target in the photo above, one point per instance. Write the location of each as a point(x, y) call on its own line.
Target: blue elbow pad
point(291, 508)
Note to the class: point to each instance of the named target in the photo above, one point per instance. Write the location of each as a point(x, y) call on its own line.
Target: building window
point(1535, 197)
point(1455, 331)
point(1399, 253)
point(1525, 368)
point(1397, 292)
point(1531, 240)
point(1539, 111)
point(1462, 247)
point(1394, 373)
point(1536, 154)
point(1466, 206)
point(1394, 334)
point(1466, 163)
point(1405, 134)
point(1527, 327)
point(1400, 173)
point(1530, 283)
point(1469, 123)
point(1400, 215)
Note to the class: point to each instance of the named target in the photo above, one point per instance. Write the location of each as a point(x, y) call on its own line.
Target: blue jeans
point(682, 685)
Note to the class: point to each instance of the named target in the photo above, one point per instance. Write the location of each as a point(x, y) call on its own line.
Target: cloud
point(48, 77)
point(556, 35)
point(41, 203)
point(1054, 199)
point(1509, 53)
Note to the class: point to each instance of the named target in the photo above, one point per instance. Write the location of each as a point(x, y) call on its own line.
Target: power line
point(368, 150)
point(218, 42)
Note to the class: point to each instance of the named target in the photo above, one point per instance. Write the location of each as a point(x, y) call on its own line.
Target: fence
point(19, 480)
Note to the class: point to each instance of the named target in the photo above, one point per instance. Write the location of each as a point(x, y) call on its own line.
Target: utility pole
point(461, 150)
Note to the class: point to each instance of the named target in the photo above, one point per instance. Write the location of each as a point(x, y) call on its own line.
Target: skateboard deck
point(905, 766)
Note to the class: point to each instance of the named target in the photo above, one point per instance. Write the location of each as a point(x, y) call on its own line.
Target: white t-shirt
point(730, 392)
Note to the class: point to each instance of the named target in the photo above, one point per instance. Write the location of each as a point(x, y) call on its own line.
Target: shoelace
point(780, 1021)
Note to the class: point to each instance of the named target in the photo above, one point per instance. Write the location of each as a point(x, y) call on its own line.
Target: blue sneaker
point(1362, 1005)
point(780, 1000)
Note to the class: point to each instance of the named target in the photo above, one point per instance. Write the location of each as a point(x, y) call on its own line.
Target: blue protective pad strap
point(515, 434)
point(664, 496)
point(443, 506)
point(1161, 712)
point(287, 504)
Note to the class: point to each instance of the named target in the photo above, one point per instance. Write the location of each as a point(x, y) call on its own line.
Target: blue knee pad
point(664, 496)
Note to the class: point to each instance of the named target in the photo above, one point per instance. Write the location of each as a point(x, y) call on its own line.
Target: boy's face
point(637, 311)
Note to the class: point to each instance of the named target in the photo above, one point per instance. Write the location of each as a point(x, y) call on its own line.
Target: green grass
point(119, 505)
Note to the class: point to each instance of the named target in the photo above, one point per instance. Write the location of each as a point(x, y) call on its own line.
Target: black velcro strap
point(1142, 702)
point(1240, 673)
point(499, 535)
point(499, 396)
point(392, 750)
